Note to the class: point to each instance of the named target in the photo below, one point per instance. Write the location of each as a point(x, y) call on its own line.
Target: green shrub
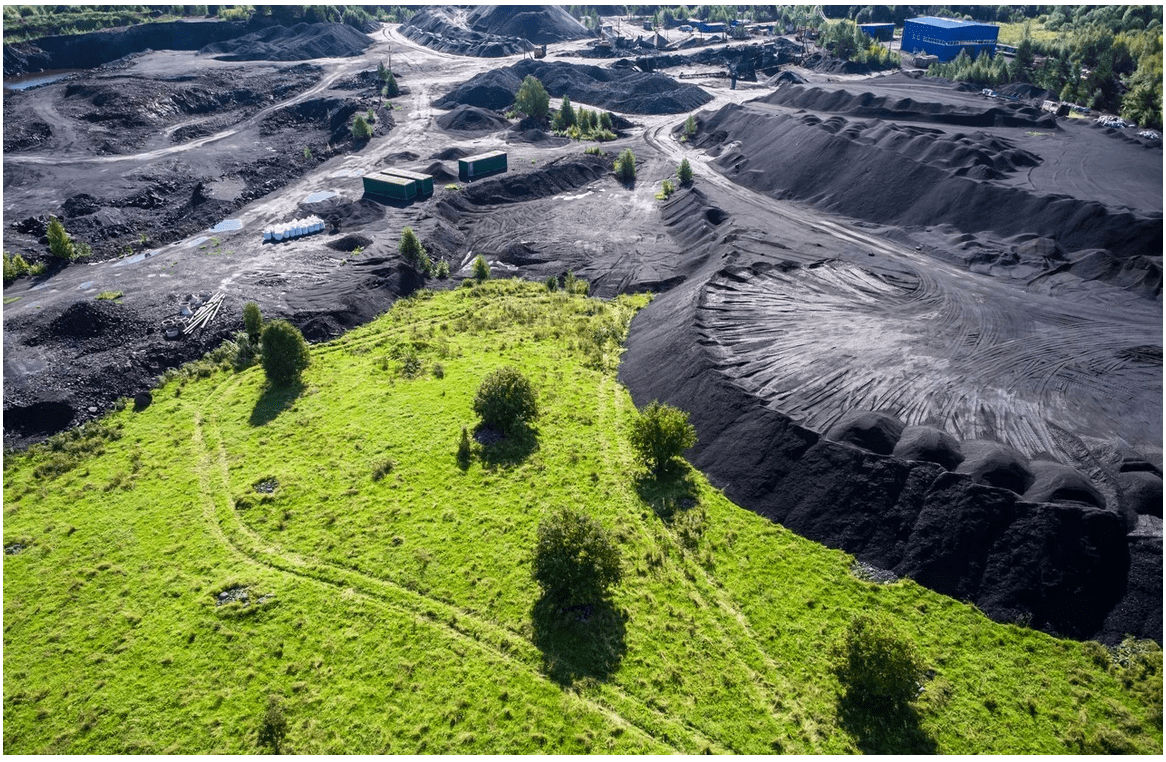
point(506, 399)
point(442, 270)
point(877, 665)
point(690, 126)
point(659, 434)
point(684, 172)
point(575, 561)
point(605, 122)
point(61, 244)
point(285, 353)
point(552, 283)
point(481, 269)
point(666, 190)
point(593, 150)
point(14, 267)
point(625, 166)
point(307, 153)
point(414, 253)
point(361, 130)
point(252, 321)
point(532, 98)
point(109, 296)
point(273, 727)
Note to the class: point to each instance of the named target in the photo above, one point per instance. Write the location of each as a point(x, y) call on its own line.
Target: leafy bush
point(442, 269)
point(285, 353)
point(61, 244)
point(659, 434)
point(361, 130)
point(666, 190)
point(532, 98)
point(625, 166)
point(552, 283)
point(684, 172)
point(575, 561)
point(506, 399)
point(273, 727)
point(109, 296)
point(481, 269)
point(15, 266)
point(876, 664)
point(593, 150)
point(690, 126)
point(414, 253)
point(565, 116)
point(252, 321)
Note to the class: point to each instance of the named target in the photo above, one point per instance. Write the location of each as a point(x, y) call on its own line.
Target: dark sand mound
point(492, 31)
point(869, 105)
point(996, 465)
point(744, 61)
point(299, 43)
point(929, 444)
point(619, 90)
point(471, 119)
point(1141, 491)
point(440, 173)
point(1056, 482)
point(1063, 567)
point(541, 24)
point(909, 175)
point(877, 432)
point(557, 176)
point(1140, 274)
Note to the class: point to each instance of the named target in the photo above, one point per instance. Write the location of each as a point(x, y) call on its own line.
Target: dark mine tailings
point(1063, 568)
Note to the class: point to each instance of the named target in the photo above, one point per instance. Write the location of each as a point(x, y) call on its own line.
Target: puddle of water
point(573, 198)
point(40, 286)
point(85, 285)
point(345, 173)
point(40, 78)
point(197, 241)
point(135, 258)
point(226, 225)
point(320, 196)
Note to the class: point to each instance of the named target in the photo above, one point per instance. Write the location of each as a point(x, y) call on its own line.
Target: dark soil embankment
point(301, 42)
point(1061, 567)
point(86, 51)
point(620, 90)
point(472, 119)
point(743, 60)
point(888, 173)
point(491, 31)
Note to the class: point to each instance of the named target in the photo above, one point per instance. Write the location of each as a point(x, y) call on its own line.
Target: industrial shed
point(945, 38)
point(424, 182)
point(881, 32)
point(482, 164)
point(389, 186)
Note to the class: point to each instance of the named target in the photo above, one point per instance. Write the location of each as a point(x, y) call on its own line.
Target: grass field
point(389, 606)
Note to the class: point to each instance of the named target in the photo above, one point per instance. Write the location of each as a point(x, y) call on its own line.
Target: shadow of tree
point(579, 642)
point(273, 401)
point(505, 450)
point(674, 491)
point(890, 728)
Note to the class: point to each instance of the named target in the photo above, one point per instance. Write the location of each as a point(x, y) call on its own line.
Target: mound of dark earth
point(1064, 565)
point(630, 92)
point(491, 31)
point(472, 119)
point(744, 61)
point(541, 24)
point(897, 161)
point(86, 51)
point(301, 42)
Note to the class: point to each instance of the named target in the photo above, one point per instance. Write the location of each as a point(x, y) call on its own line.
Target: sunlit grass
point(390, 603)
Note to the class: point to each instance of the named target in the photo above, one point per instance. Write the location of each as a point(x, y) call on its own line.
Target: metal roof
point(946, 23)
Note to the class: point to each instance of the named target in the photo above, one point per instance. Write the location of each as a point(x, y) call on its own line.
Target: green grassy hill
point(389, 605)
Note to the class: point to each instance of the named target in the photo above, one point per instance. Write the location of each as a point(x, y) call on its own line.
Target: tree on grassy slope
point(285, 353)
point(877, 665)
point(659, 434)
point(576, 562)
point(506, 399)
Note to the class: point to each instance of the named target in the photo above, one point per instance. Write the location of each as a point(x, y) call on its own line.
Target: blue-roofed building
point(945, 38)
point(882, 32)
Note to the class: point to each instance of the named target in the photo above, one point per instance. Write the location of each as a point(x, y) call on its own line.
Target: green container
point(388, 186)
point(424, 182)
point(482, 165)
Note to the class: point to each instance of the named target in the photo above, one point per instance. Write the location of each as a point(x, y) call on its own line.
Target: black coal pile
point(745, 61)
point(444, 30)
point(472, 119)
point(491, 31)
point(541, 24)
point(620, 90)
point(935, 178)
point(1065, 567)
point(301, 42)
point(101, 318)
